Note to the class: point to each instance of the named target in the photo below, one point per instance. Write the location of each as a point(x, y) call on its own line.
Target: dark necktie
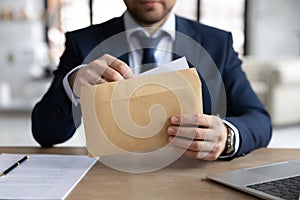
point(149, 46)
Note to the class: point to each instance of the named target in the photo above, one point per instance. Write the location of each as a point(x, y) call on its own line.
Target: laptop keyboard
point(287, 188)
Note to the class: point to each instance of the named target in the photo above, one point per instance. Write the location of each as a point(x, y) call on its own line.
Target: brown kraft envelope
point(133, 115)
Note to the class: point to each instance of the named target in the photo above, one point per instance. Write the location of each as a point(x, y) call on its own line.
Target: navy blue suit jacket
point(54, 122)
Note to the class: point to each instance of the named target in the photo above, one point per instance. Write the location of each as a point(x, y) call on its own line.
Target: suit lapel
point(184, 33)
point(117, 44)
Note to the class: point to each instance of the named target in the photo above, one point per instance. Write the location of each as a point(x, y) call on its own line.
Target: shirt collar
point(167, 27)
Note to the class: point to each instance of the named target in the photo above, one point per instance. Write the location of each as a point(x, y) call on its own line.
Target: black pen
point(14, 166)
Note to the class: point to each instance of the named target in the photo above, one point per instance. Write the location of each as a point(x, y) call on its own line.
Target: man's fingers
point(107, 68)
point(183, 143)
point(122, 68)
point(119, 66)
point(191, 132)
point(191, 119)
point(101, 80)
point(104, 69)
point(197, 149)
point(111, 75)
point(193, 145)
point(202, 136)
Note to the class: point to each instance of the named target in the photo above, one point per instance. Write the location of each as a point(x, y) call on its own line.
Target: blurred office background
point(266, 35)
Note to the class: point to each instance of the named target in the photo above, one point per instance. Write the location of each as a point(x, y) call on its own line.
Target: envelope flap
point(153, 84)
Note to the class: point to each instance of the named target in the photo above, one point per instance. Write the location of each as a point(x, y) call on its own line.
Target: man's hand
point(198, 136)
point(104, 69)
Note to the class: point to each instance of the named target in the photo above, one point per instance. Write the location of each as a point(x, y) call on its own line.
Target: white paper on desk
point(42, 176)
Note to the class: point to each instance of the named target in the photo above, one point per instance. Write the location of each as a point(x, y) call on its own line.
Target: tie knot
point(148, 45)
point(145, 41)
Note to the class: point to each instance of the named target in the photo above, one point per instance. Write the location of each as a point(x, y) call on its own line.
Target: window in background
point(104, 10)
point(227, 15)
point(186, 9)
point(75, 14)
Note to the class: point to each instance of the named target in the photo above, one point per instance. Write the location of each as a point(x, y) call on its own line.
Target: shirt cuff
point(237, 138)
point(67, 86)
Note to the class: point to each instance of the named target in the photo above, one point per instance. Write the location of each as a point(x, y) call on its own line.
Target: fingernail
point(121, 77)
point(174, 120)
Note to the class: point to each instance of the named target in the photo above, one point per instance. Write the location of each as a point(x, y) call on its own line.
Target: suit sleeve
point(54, 118)
point(244, 109)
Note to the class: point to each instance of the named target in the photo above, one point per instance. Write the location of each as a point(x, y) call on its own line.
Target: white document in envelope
point(133, 115)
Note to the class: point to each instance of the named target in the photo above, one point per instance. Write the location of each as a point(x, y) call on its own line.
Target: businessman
point(243, 127)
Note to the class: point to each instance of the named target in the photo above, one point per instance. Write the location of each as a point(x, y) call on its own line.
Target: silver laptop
point(274, 181)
